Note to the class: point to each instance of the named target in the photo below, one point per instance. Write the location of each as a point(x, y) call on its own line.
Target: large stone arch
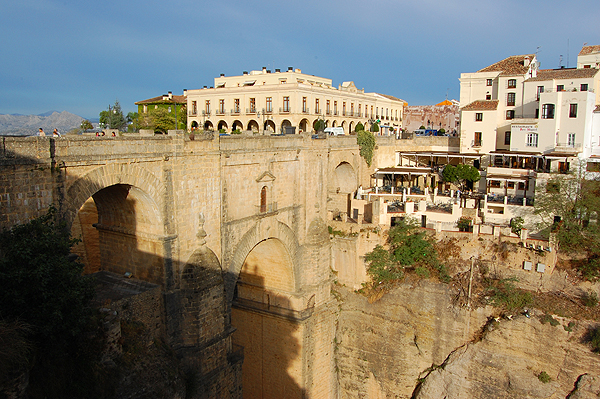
point(344, 178)
point(265, 229)
point(116, 211)
point(222, 125)
point(109, 175)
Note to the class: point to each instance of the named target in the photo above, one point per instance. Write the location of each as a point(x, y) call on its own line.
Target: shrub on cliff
point(366, 142)
point(408, 248)
point(41, 286)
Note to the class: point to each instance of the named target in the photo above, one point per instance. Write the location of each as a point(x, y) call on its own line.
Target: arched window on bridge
point(263, 199)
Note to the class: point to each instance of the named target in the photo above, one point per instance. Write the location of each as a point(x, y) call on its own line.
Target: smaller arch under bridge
point(232, 229)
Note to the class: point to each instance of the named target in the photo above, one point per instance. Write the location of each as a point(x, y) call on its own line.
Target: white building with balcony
point(289, 101)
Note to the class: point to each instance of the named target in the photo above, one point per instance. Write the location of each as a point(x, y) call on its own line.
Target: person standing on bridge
point(41, 132)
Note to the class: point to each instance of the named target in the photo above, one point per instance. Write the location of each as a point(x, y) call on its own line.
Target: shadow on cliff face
point(267, 327)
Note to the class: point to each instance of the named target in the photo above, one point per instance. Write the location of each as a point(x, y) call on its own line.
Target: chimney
point(185, 92)
point(245, 73)
point(526, 61)
point(290, 69)
point(205, 87)
point(277, 70)
point(264, 69)
point(222, 75)
point(170, 95)
point(268, 71)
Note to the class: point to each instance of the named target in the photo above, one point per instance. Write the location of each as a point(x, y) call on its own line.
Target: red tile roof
point(589, 50)
point(159, 100)
point(564, 73)
point(481, 105)
point(513, 65)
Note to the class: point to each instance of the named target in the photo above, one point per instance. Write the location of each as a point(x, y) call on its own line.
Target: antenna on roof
point(537, 50)
point(560, 62)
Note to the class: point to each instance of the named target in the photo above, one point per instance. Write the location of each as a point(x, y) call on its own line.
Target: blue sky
point(81, 56)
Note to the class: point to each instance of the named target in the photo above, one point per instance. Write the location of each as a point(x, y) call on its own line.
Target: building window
point(507, 138)
point(571, 140)
point(488, 82)
point(510, 99)
point(236, 105)
point(584, 87)
point(194, 107)
point(328, 110)
point(478, 116)
point(359, 109)
point(263, 199)
point(304, 107)
point(145, 108)
point(344, 108)
point(488, 96)
point(477, 141)
point(512, 83)
point(335, 107)
point(269, 104)
point(352, 109)
point(537, 113)
point(207, 107)
point(548, 111)
point(510, 114)
point(222, 106)
point(286, 104)
point(593, 166)
point(317, 110)
point(560, 88)
point(540, 89)
point(371, 111)
point(532, 140)
point(572, 110)
point(253, 105)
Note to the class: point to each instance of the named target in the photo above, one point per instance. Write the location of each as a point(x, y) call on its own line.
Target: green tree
point(409, 247)
point(159, 119)
point(113, 117)
point(375, 127)
point(575, 199)
point(86, 125)
point(319, 125)
point(182, 116)
point(133, 121)
point(366, 142)
point(359, 127)
point(460, 175)
point(43, 288)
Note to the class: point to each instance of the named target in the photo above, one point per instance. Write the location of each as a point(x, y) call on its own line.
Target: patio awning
point(414, 170)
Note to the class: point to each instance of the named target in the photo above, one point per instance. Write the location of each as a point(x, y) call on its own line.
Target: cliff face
point(414, 341)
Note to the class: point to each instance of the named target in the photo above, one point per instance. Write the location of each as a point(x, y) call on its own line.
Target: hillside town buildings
point(515, 123)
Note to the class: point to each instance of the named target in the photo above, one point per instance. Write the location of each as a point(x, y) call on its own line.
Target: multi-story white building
point(285, 102)
point(529, 120)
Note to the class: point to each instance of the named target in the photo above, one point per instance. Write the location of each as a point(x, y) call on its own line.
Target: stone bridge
point(232, 228)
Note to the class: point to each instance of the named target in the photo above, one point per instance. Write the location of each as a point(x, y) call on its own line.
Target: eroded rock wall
point(414, 341)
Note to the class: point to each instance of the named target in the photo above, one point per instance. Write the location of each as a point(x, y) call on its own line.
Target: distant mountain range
point(28, 125)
